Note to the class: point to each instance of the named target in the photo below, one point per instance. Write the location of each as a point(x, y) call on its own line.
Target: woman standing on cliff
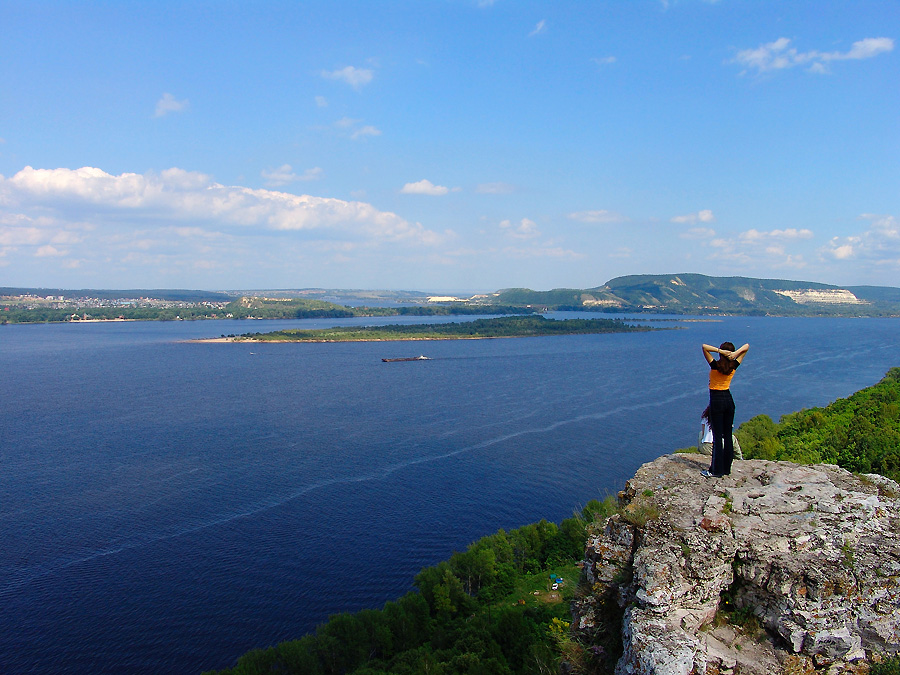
point(721, 405)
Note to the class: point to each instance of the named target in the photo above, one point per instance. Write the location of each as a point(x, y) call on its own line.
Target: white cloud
point(600, 216)
point(424, 187)
point(175, 197)
point(762, 249)
point(18, 230)
point(605, 60)
point(866, 49)
point(351, 126)
point(367, 130)
point(321, 102)
point(285, 174)
point(49, 251)
point(880, 244)
point(21, 236)
point(841, 251)
point(524, 229)
point(355, 77)
point(704, 216)
point(168, 104)
point(790, 233)
point(779, 55)
point(539, 28)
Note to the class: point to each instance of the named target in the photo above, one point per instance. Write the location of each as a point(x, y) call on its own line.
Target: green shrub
point(890, 666)
point(860, 433)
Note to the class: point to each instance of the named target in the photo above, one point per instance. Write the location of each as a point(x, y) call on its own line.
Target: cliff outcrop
point(777, 568)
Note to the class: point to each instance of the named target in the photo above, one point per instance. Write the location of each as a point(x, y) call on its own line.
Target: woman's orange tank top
point(720, 381)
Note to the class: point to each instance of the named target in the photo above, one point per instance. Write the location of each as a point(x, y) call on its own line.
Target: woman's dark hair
point(705, 414)
point(723, 364)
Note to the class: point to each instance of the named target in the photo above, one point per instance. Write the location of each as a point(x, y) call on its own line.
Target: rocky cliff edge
point(807, 557)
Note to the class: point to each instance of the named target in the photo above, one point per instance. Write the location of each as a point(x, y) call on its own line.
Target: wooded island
point(502, 327)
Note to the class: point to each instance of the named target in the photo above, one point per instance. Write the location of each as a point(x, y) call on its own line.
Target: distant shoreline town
point(679, 294)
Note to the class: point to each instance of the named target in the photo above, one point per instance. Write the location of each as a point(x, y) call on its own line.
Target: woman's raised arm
point(739, 353)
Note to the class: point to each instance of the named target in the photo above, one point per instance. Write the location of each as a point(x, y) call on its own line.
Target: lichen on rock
point(807, 556)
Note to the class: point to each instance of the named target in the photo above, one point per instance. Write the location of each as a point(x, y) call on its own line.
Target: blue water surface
point(167, 505)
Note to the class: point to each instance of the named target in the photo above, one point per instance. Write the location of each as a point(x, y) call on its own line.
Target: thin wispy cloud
point(424, 187)
point(775, 249)
point(780, 55)
point(169, 104)
point(789, 233)
point(355, 129)
point(35, 233)
point(598, 216)
point(552, 252)
point(49, 251)
point(524, 229)
point(367, 130)
point(704, 216)
point(355, 77)
point(285, 174)
point(321, 102)
point(539, 28)
point(698, 233)
point(604, 60)
point(880, 244)
point(495, 188)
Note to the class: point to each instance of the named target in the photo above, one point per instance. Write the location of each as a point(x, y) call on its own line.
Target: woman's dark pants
point(721, 419)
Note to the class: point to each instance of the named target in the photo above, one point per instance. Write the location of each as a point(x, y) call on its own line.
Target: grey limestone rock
point(813, 552)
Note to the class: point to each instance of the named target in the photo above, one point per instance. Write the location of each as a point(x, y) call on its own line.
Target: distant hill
point(876, 293)
point(659, 293)
point(701, 294)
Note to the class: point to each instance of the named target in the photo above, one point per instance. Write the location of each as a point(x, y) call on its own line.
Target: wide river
point(166, 506)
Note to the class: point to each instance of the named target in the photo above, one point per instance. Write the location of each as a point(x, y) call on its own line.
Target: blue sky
point(447, 145)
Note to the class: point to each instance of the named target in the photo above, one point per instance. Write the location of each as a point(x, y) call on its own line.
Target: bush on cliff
point(890, 666)
point(860, 433)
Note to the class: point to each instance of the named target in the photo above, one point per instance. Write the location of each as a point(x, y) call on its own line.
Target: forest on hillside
point(860, 433)
point(499, 608)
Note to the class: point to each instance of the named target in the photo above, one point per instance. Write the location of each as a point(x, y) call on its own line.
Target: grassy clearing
point(535, 589)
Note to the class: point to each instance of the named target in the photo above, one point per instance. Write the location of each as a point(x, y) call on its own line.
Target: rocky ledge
point(808, 557)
